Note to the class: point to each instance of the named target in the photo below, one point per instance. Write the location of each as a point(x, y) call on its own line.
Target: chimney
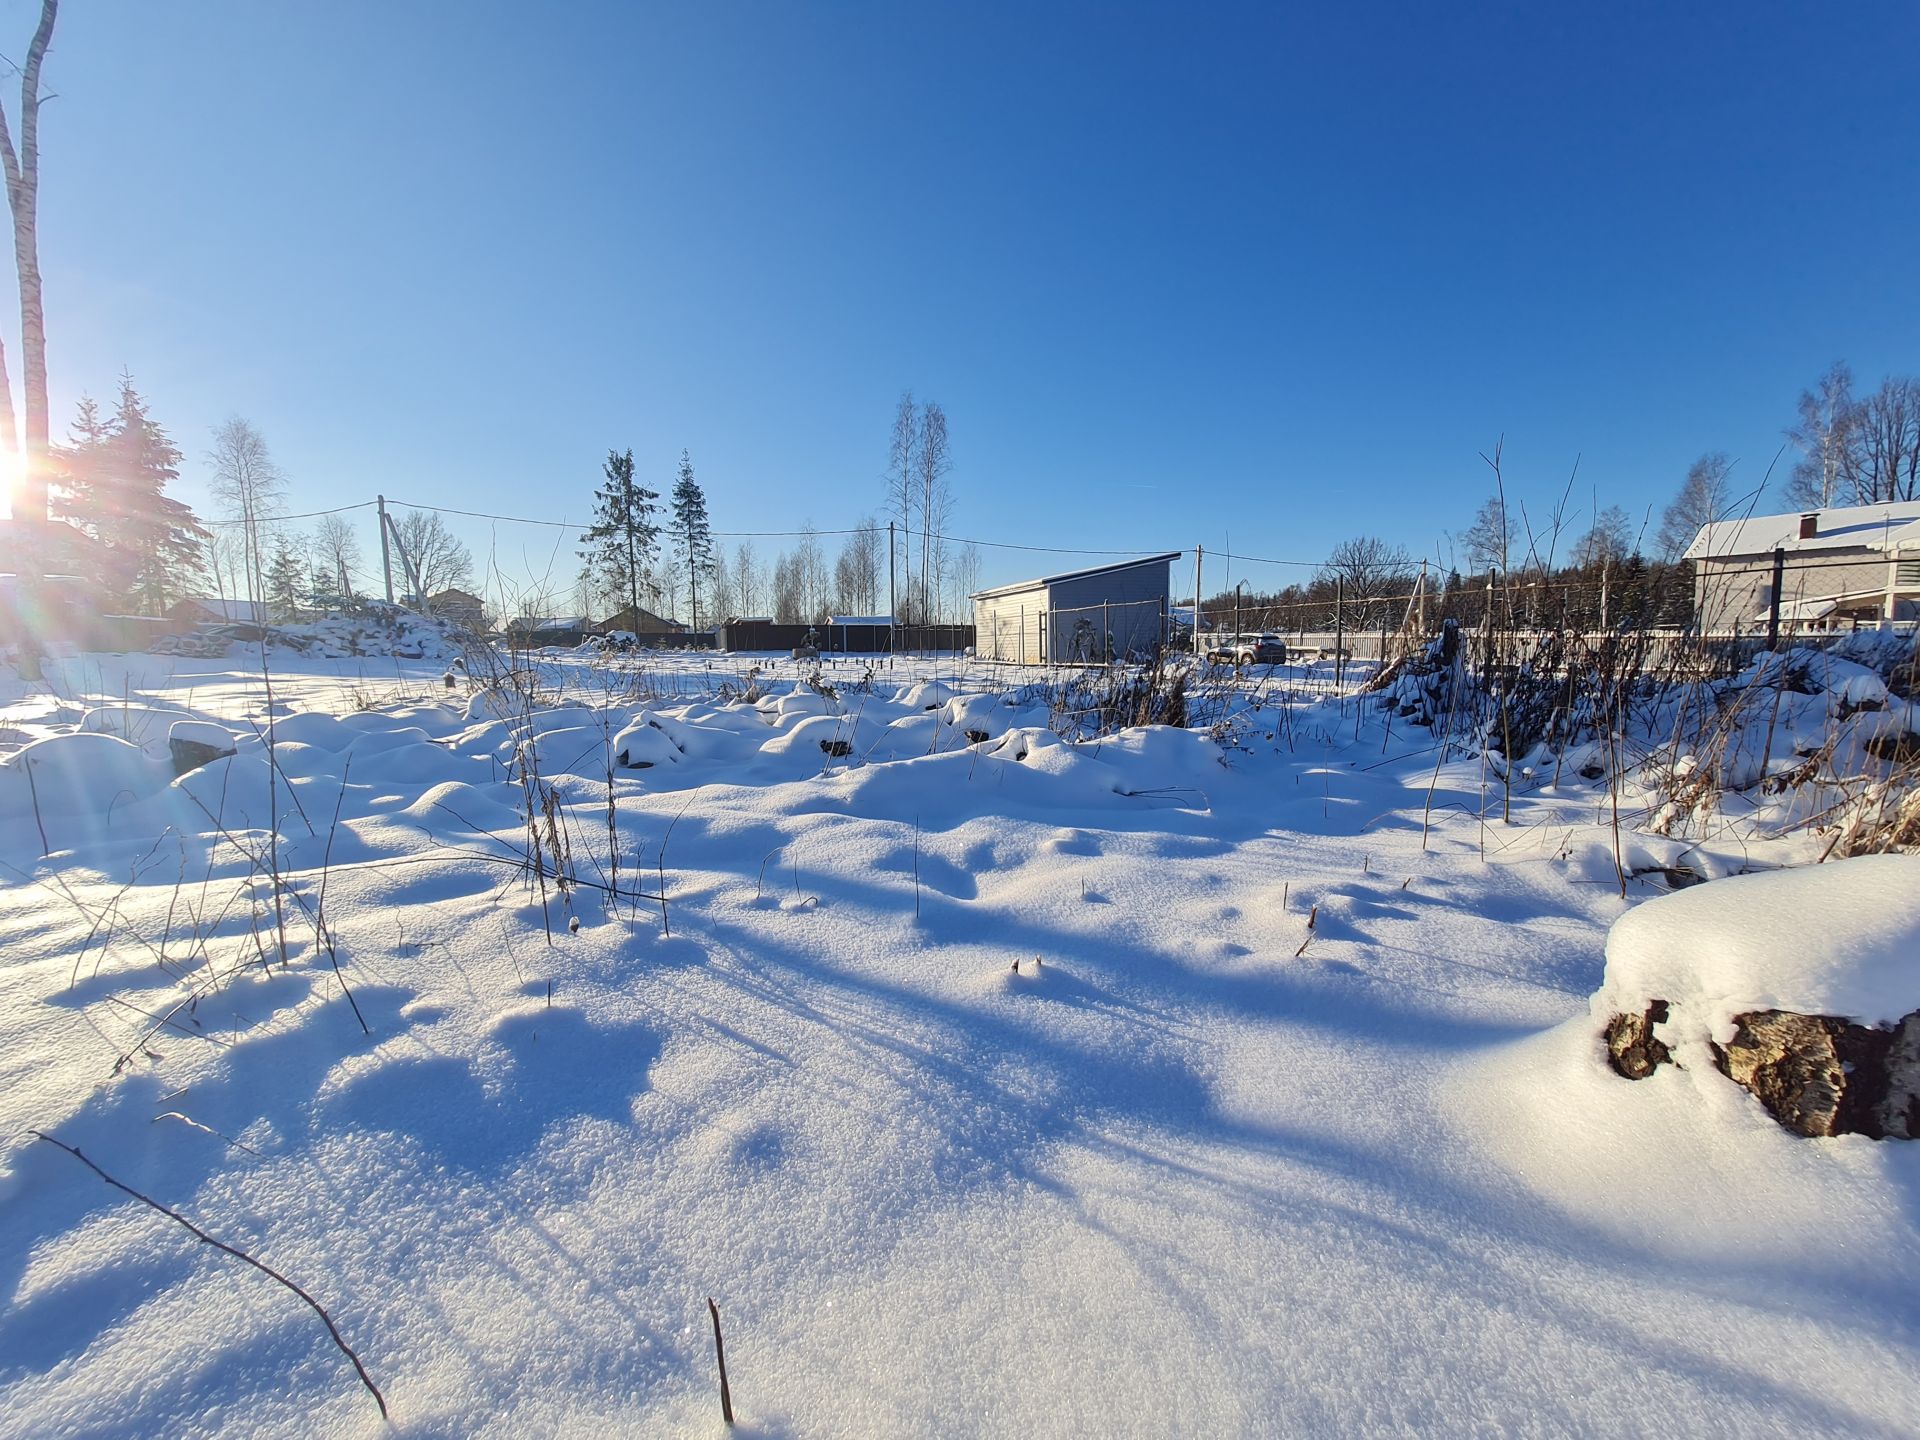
point(1810, 525)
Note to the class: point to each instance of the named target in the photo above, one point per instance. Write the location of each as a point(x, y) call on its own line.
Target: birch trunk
point(23, 197)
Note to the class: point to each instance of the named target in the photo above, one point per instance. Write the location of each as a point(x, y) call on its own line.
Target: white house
point(1841, 566)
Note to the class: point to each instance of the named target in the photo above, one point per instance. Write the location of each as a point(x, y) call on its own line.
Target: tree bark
point(23, 198)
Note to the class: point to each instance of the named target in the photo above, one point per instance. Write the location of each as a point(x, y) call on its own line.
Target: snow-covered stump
point(1801, 986)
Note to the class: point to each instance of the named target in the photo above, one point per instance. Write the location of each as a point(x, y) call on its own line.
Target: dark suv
point(1249, 650)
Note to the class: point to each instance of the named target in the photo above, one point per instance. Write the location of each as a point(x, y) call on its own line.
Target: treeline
point(648, 561)
point(1384, 594)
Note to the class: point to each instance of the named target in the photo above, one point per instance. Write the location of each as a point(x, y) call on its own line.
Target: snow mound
point(142, 725)
point(926, 695)
point(1840, 939)
point(642, 745)
point(77, 774)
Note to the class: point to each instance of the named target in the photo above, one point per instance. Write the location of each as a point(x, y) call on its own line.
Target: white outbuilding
point(1079, 617)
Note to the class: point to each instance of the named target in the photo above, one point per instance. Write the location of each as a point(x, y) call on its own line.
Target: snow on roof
point(242, 612)
point(1833, 939)
point(1894, 524)
point(860, 620)
point(1065, 575)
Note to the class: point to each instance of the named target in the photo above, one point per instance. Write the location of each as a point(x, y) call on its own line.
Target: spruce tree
point(113, 473)
point(692, 535)
point(286, 579)
point(622, 538)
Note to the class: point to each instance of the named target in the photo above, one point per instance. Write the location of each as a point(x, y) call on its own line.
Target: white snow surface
point(1143, 1086)
point(1838, 939)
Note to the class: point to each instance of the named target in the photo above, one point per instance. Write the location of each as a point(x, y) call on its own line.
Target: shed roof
point(1890, 525)
point(1066, 575)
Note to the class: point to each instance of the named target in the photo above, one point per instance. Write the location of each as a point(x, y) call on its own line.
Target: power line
point(1508, 577)
point(790, 534)
point(303, 515)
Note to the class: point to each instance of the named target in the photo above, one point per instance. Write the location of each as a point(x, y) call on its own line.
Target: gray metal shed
point(1080, 616)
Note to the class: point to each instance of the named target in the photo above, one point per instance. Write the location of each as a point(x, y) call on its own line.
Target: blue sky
point(1266, 274)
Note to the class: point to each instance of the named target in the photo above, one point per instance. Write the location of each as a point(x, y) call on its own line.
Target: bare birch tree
point(747, 590)
point(1705, 496)
point(1488, 540)
point(439, 558)
point(248, 487)
point(1880, 460)
point(934, 460)
point(23, 199)
point(902, 466)
point(337, 552)
point(810, 574)
point(1822, 437)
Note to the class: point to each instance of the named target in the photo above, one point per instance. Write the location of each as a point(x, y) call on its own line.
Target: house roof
point(1066, 575)
point(1891, 525)
point(550, 622)
point(860, 620)
point(642, 621)
point(238, 612)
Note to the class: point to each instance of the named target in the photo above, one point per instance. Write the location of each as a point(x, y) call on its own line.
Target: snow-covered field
point(1007, 1087)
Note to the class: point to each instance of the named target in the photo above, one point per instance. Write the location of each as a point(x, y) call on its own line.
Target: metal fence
point(738, 636)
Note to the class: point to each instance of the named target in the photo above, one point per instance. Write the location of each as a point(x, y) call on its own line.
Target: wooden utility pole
point(386, 555)
point(1199, 552)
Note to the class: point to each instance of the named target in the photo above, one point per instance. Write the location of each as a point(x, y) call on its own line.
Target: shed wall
point(1008, 627)
point(1130, 603)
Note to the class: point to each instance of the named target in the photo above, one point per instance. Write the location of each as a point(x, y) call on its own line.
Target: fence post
point(1773, 602)
point(1339, 632)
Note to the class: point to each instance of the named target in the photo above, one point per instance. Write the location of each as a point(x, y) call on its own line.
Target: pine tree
point(113, 474)
point(692, 535)
point(286, 579)
point(623, 535)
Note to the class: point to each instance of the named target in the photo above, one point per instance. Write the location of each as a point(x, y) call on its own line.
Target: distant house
point(1077, 616)
point(642, 622)
point(1846, 565)
point(210, 610)
point(542, 629)
point(459, 606)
